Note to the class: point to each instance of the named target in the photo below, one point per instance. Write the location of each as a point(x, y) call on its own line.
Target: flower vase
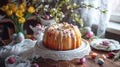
point(47, 22)
point(20, 28)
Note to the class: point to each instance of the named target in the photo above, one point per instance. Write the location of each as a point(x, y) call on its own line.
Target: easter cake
point(62, 36)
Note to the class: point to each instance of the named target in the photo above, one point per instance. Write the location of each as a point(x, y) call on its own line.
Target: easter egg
point(11, 60)
point(88, 29)
point(110, 54)
point(100, 61)
point(93, 55)
point(89, 34)
point(47, 17)
point(14, 36)
point(82, 60)
point(20, 37)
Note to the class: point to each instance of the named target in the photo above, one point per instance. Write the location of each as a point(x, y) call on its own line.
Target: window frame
point(115, 13)
point(115, 18)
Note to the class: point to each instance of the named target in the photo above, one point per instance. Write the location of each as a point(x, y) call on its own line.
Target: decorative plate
point(105, 44)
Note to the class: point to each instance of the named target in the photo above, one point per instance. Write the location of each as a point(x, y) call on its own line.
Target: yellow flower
point(4, 8)
point(19, 13)
point(12, 7)
point(31, 9)
point(22, 7)
point(9, 12)
point(21, 20)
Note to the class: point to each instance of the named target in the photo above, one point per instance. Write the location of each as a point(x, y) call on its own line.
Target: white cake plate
point(80, 52)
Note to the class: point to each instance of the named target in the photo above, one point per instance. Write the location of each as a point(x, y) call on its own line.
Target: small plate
point(111, 44)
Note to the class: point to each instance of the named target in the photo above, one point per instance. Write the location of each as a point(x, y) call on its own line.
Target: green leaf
point(108, 48)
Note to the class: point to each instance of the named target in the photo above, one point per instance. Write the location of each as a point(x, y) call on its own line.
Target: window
point(115, 14)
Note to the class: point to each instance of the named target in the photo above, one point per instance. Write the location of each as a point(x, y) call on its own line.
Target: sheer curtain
point(92, 16)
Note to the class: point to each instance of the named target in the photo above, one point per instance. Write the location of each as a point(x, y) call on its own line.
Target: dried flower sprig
point(61, 10)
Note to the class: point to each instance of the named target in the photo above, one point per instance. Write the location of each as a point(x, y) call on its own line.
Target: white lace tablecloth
point(80, 52)
point(17, 48)
point(19, 62)
point(29, 50)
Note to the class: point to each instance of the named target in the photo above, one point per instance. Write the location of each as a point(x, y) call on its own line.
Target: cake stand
point(80, 52)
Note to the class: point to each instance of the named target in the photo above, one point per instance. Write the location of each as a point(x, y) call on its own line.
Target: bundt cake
point(62, 36)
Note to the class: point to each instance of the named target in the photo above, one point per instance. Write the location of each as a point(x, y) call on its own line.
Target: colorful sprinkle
point(105, 43)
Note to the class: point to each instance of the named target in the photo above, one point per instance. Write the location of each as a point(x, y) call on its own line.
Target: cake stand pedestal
point(80, 52)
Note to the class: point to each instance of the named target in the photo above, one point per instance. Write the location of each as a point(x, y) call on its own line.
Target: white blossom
point(74, 4)
point(63, 16)
point(46, 6)
point(68, 7)
point(43, 0)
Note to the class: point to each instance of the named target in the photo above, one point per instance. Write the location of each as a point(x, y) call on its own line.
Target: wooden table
point(75, 62)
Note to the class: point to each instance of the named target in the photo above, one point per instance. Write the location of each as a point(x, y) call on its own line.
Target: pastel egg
point(82, 60)
point(100, 61)
point(14, 36)
point(89, 34)
point(110, 54)
point(47, 17)
point(20, 37)
point(11, 60)
point(93, 55)
point(88, 29)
